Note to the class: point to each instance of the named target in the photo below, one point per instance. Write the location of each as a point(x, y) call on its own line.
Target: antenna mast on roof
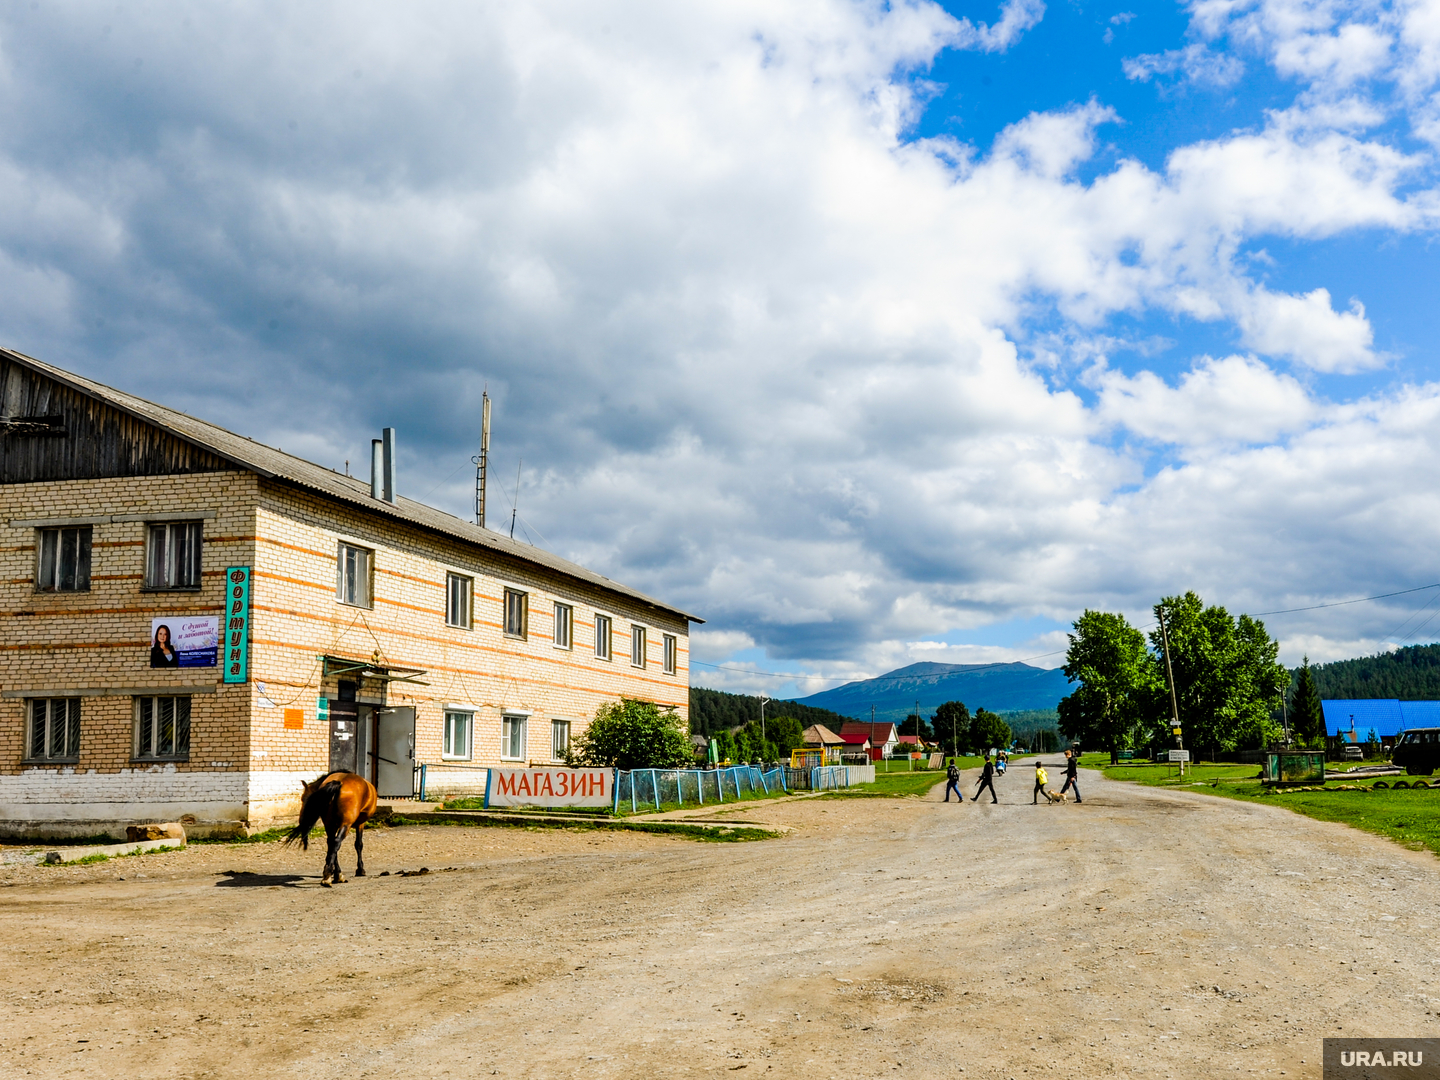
point(515, 509)
point(481, 459)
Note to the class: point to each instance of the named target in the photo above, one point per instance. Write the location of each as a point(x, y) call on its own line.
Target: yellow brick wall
point(297, 618)
point(101, 638)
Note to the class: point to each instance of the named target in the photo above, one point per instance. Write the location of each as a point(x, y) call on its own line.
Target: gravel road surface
point(1143, 933)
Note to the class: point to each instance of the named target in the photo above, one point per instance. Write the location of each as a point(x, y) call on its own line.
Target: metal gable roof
point(1381, 714)
point(275, 464)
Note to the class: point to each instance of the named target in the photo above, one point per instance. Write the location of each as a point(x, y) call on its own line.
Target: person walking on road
point(1072, 776)
point(987, 779)
point(952, 778)
point(1041, 779)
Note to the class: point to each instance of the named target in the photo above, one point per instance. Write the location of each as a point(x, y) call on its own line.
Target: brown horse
point(341, 799)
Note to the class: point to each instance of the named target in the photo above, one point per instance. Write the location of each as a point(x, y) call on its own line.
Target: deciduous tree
point(628, 734)
point(1227, 679)
point(1108, 658)
point(988, 731)
point(952, 725)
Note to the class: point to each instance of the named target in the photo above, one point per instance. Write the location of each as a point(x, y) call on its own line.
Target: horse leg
point(338, 878)
point(360, 850)
point(332, 857)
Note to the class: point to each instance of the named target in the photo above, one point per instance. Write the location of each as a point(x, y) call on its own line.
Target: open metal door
point(395, 753)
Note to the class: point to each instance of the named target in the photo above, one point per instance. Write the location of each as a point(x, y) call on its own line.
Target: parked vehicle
point(1418, 751)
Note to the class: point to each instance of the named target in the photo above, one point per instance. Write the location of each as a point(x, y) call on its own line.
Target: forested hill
point(1411, 673)
point(1001, 688)
point(714, 710)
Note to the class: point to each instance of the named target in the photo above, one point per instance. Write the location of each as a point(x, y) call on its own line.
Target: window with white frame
point(54, 733)
point(459, 730)
point(64, 559)
point(602, 636)
point(512, 738)
point(173, 558)
point(517, 613)
point(564, 626)
point(459, 591)
point(352, 576)
point(162, 728)
point(671, 651)
point(559, 739)
point(637, 646)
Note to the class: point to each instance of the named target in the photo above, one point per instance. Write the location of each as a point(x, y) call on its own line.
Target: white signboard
point(1179, 755)
point(550, 787)
point(184, 641)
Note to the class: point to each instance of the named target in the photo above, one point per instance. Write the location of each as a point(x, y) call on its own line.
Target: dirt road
point(1143, 933)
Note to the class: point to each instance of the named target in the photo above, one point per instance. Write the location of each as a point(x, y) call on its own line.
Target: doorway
point(394, 752)
point(345, 753)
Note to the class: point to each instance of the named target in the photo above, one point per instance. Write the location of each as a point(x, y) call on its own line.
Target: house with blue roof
point(1352, 719)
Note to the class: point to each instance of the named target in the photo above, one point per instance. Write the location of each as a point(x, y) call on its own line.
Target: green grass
point(899, 785)
point(721, 834)
point(1410, 817)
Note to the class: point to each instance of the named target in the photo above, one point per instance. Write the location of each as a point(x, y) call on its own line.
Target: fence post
point(679, 787)
point(422, 781)
point(655, 787)
point(614, 782)
point(700, 784)
point(632, 791)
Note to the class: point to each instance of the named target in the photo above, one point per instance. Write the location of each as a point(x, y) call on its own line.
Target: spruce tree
point(1306, 717)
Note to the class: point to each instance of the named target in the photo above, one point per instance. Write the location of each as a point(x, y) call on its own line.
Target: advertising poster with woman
point(184, 641)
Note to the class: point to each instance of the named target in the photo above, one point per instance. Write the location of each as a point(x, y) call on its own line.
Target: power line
point(1342, 603)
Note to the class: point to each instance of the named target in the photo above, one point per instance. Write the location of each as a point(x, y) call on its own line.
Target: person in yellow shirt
point(1041, 779)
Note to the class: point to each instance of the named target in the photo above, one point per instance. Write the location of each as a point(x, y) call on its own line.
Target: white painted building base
point(61, 803)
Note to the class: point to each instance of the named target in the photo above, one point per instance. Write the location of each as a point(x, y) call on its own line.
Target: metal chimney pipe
point(377, 468)
point(390, 494)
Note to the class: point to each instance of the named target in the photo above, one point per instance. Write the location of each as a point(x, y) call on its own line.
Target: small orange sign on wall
point(295, 718)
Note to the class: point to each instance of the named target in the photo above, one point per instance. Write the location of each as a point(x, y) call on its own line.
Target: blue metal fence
point(654, 787)
point(829, 777)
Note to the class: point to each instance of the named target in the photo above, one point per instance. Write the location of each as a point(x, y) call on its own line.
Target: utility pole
point(1170, 677)
point(763, 700)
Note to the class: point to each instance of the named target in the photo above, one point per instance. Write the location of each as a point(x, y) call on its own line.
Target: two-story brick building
point(192, 622)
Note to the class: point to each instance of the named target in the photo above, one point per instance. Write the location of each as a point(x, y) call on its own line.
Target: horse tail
point(314, 807)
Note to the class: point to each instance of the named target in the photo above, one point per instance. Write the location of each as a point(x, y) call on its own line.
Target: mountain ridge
point(1000, 687)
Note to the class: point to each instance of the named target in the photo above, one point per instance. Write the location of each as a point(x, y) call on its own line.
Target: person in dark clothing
point(952, 778)
point(987, 779)
point(1072, 776)
point(162, 651)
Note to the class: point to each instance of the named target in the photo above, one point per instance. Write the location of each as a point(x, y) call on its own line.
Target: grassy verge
point(99, 857)
point(898, 785)
point(716, 834)
point(1407, 816)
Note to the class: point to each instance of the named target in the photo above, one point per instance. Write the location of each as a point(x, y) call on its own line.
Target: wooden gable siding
point(98, 440)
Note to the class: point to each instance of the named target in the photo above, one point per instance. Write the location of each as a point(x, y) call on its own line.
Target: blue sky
point(871, 332)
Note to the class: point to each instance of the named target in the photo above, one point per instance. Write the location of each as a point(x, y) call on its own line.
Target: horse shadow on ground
point(248, 879)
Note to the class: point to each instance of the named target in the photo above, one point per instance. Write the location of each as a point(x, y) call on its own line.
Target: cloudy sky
point(871, 333)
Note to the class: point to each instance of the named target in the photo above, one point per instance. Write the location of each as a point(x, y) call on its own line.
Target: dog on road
point(1054, 796)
